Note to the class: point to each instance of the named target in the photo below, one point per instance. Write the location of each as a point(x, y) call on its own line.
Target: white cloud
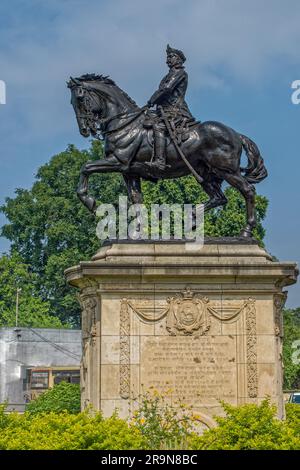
point(127, 39)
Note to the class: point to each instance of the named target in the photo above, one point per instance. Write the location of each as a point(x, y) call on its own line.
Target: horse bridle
point(89, 116)
point(92, 119)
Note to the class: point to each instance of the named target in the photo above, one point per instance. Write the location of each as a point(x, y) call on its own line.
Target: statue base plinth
point(206, 324)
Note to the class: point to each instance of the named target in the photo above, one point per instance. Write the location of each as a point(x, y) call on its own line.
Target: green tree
point(51, 230)
point(220, 222)
point(62, 397)
point(291, 318)
point(33, 311)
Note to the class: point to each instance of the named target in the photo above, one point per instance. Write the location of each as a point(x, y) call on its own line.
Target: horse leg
point(97, 166)
point(248, 191)
point(135, 196)
point(212, 187)
point(133, 184)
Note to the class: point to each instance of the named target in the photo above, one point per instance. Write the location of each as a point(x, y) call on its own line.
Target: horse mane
point(92, 77)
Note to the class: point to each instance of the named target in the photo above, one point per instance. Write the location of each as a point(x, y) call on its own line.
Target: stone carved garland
point(187, 314)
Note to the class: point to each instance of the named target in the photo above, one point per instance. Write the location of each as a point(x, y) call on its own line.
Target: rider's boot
point(159, 152)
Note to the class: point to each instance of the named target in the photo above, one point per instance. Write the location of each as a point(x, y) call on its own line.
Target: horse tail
point(256, 170)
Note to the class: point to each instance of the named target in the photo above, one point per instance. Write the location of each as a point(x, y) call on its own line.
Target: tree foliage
point(33, 311)
point(291, 355)
point(62, 397)
point(51, 230)
point(221, 222)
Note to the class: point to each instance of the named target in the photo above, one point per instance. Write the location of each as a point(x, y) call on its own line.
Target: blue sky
point(242, 58)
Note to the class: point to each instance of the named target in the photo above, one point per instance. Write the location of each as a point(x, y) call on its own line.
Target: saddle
point(180, 124)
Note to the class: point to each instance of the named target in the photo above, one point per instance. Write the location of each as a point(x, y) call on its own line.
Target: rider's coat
point(171, 94)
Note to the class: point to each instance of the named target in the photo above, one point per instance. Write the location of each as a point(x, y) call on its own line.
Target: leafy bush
point(62, 397)
point(250, 427)
point(163, 425)
point(67, 431)
point(155, 425)
point(293, 418)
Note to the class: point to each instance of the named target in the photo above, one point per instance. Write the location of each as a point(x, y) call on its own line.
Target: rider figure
point(170, 96)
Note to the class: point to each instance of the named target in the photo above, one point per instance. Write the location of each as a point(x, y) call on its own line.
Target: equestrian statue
point(162, 140)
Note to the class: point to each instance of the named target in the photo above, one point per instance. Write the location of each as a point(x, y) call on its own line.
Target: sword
point(173, 138)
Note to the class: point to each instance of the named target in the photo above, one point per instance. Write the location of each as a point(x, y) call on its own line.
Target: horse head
point(87, 106)
point(96, 99)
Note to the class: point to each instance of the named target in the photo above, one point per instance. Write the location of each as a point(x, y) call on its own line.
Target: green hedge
point(155, 425)
point(252, 427)
point(65, 431)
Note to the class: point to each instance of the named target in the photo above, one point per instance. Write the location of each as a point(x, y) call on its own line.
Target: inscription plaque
point(199, 371)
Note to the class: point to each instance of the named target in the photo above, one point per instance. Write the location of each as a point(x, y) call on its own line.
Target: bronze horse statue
point(211, 148)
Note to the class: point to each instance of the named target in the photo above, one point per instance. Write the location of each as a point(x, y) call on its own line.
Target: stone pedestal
point(206, 323)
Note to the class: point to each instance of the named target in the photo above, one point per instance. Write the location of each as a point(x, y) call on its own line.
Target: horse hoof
point(246, 233)
point(90, 203)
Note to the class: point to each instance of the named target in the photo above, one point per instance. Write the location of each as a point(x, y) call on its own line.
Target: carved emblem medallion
point(187, 314)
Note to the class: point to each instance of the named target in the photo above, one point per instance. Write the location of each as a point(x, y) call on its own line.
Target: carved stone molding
point(124, 350)
point(252, 375)
point(86, 284)
point(88, 332)
point(89, 317)
point(279, 302)
point(187, 313)
point(83, 372)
